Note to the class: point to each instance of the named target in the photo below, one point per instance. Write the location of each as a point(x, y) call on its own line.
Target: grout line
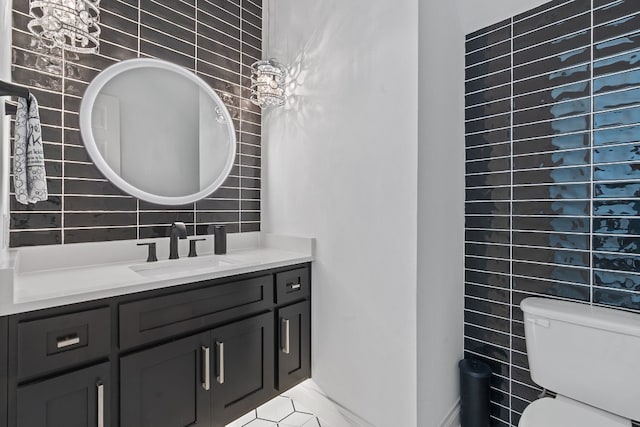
point(511, 229)
point(592, 166)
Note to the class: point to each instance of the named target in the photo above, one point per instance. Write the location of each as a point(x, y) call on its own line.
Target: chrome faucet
point(178, 231)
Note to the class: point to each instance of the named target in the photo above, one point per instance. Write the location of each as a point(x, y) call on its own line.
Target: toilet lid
point(548, 412)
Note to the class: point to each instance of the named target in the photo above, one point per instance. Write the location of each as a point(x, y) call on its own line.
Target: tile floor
point(281, 411)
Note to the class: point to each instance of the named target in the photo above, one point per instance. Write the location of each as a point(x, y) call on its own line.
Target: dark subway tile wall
point(218, 41)
point(552, 124)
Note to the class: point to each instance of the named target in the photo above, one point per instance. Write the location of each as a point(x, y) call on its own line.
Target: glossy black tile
point(616, 136)
point(489, 95)
point(619, 190)
point(488, 265)
point(489, 67)
point(626, 245)
point(489, 137)
point(552, 192)
point(617, 262)
point(616, 208)
point(576, 28)
point(494, 108)
point(487, 208)
point(544, 66)
point(495, 193)
point(616, 298)
point(545, 143)
point(547, 14)
point(553, 127)
point(624, 62)
point(552, 240)
point(487, 30)
point(555, 111)
point(625, 98)
point(551, 256)
point(27, 220)
point(486, 335)
point(487, 236)
point(616, 172)
point(559, 207)
point(552, 272)
point(491, 80)
point(488, 53)
point(616, 28)
point(553, 159)
point(615, 10)
point(35, 238)
point(630, 226)
point(553, 79)
point(487, 39)
point(558, 175)
point(617, 280)
point(488, 307)
point(493, 251)
point(551, 223)
point(488, 322)
point(81, 235)
point(496, 150)
point(99, 219)
point(616, 82)
point(492, 165)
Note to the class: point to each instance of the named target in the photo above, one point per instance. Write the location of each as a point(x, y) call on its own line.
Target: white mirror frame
point(86, 108)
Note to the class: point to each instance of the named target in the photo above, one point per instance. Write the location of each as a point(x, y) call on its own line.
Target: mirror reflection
point(157, 131)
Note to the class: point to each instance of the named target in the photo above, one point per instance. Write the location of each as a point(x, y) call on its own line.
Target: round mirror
point(157, 131)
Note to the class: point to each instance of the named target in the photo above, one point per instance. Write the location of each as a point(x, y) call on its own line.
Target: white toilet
point(589, 356)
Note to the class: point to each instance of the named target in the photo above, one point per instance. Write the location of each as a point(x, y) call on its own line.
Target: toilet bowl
point(588, 356)
point(563, 412)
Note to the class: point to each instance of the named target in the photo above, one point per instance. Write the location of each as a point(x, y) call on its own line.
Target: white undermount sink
point(180, 266)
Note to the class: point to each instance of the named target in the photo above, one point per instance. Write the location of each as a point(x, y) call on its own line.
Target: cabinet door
point(77, 399)
point(243, 366)
point(294, 352)
point(166, 386)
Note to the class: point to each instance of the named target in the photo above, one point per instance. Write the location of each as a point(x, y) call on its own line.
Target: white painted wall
point(340, 164)
point(440, 290)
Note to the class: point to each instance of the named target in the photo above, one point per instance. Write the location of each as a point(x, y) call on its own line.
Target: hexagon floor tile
point(281, 411)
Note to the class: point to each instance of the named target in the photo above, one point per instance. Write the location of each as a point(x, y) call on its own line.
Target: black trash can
point(475, 381)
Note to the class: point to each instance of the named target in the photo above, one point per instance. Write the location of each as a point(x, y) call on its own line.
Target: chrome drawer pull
point(285, 334)
point(100, 386)
point(220, 348)
point(68, 341)
point(206, 362)
point(296, 286)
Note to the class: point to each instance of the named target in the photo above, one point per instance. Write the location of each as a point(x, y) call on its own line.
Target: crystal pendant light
point(68, 24)
point(267, 83)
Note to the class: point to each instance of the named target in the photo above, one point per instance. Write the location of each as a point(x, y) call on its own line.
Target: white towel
point(29, 175)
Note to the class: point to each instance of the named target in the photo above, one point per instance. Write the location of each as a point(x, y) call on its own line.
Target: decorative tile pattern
point(552, 176)
point(281, 411)
point(218, 40)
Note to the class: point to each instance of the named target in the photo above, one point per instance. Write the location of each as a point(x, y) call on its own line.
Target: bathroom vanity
point(195, 347)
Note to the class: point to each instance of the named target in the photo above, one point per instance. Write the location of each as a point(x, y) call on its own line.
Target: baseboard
point(330, 412)
point(452, 419)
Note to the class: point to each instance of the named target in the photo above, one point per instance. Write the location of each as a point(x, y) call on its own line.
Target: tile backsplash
point(552, 176)
point(216, 39)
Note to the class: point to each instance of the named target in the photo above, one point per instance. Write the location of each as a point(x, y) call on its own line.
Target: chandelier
point(267, 83)
point(68, 24)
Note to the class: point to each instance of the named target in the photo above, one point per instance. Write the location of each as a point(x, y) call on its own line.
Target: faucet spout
point(178, 231)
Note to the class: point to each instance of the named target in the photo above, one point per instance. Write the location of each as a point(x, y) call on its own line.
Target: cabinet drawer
point(292, 285)
point(46, 345)
point(158, 318)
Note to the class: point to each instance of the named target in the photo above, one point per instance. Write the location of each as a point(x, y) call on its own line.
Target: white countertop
point(49, 276)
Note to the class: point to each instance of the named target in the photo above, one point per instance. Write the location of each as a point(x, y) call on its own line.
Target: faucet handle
point(192, 247)
point(151, 257)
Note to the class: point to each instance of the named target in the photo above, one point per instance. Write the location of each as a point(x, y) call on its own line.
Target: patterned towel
point(29, 175)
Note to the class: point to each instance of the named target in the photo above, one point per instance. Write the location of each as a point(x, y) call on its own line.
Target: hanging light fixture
point(267, 83)
point(68, 24)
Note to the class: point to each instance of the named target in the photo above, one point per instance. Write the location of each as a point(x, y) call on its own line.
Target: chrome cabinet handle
point(206, 368)
point(295, 286)
point(68, 341)
point(220, 349)
point(285, 334)
point(100, 411)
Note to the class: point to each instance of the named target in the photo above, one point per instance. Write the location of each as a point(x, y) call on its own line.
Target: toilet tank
point(589, 354)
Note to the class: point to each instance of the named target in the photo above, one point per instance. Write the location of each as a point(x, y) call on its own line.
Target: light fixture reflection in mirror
point(157, 131)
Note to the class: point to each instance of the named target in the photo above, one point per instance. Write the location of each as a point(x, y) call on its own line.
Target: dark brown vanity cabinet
point(78, 399)
point(164, 385)
point(199, 354)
